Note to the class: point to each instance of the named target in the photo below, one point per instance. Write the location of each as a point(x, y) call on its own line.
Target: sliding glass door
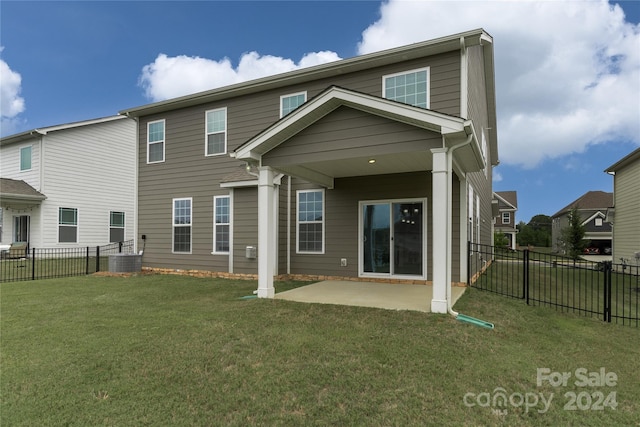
point(392, 238)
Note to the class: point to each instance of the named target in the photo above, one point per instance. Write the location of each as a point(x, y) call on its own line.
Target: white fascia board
point(239, 184)
point(335, 97)
point(592, 217)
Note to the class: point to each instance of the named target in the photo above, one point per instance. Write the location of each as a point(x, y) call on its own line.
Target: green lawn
point(172, 350)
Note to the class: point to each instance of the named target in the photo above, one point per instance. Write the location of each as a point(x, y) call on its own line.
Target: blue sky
point(567, 73)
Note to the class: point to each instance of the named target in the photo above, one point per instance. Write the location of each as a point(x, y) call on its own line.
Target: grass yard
point(171, 350)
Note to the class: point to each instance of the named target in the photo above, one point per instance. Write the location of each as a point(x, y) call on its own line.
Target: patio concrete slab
point(367, 294)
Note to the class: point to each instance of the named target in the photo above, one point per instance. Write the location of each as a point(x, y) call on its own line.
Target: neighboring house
point(506, 205)
point(592, 208)
point(69, 185)
point(625, 214)
point(374, 167)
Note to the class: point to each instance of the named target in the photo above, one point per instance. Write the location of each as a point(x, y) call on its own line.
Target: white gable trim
point(594, 216)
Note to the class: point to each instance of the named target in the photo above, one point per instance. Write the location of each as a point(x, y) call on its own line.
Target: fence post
point(607, 290)
point(87, 261)
point(525, 275)
point(33, 263)
point(97, 259)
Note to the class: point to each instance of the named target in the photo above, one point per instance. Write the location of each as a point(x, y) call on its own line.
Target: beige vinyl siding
point(341, 219)
point(626, 225)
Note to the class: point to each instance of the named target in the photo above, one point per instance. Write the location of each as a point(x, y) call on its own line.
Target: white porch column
point(266, 233)
point(441, 219)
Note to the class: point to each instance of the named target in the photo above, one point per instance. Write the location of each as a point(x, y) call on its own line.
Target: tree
point(572, 235)
point(536, 233)
point(500, 240)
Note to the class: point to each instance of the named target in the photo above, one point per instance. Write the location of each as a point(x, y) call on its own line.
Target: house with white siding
point(624, 215)
point(69, 185)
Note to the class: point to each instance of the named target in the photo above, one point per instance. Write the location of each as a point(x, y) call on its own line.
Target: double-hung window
point(182, 225)
point(310, 227)
point(67, 225)
point(506, 217)
point(155, 141)
point(221, 224)
point(25, 158)
point(116, 226)
point(290, 102)
point(410, 87)
point(216, 139)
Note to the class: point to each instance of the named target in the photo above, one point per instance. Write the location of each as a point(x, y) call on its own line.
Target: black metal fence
point(601, 289)
point(47, 263)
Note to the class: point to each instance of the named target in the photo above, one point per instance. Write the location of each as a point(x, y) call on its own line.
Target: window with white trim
point(116, 226)
point(25, 158)
point(182, 225)
point(221, 224)
point(598, 222)
point(67, 225)
point(155, 141)
point(288, 103)
point(410, 87)
point(216, 138)
point(506, 217)
point(310, 221)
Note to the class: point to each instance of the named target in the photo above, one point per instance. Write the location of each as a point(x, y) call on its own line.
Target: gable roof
point(624, 162)
point(34, 133)
point(507, 199)
point(589, 200)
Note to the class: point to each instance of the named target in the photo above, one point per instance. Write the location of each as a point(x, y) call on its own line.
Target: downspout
point(449, 211)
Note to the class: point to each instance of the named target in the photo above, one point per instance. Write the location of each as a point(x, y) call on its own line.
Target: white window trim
point(508, 216)
point(324, 228)
point(77, 225)
point(124, 227)
point(207, 133)
point(215, 199)
point(163, 142)
point(427, 69)
point(30, 160)
point(289, 95)
point(173, 225)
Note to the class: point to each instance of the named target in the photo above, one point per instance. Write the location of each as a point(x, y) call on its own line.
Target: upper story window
point(116, 226)
point(216, 142)
point(67, 225)
point(290, 102)
point(155, 141)
point(598, 222)
point(506, 217)
point(310, 229)
point(182, 225)
point(25, 158)
point(410, 87)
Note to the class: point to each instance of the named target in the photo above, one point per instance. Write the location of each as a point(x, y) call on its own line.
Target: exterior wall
point(187, 172)
point(10, 168)
point(626, 226)
point(245, 229)
point(477, 112)
point(91, 168)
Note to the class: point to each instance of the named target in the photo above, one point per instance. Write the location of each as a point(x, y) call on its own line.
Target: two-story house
point(69, 185)
point(592, 209)
point(505, 207)
point(376, 167)
point(625, 211)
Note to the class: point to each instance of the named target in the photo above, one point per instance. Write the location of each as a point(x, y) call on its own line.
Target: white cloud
point(497, 176)
point(567, 72)
point(11, 103)
point(169, 77)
